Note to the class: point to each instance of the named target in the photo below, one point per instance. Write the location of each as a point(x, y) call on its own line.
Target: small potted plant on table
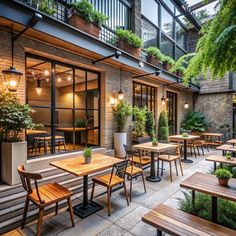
point(154, 55)
point(228, 155)
point(223, 176)
point(87, 154)
point(154, 142)
point(185, 135)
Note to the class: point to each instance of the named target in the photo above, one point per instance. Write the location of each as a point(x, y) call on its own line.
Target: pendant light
point(186, 103)
point(39, 87)
point(120, 93)
point(163, 99)
point(11, 75)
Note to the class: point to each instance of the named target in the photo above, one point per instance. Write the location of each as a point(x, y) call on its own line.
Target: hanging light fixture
point(39, 88)
point(120, 93)
point(186, 103)
point(112, 99)
point(163, 99)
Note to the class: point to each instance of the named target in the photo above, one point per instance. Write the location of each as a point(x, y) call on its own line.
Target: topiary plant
point(139, 115)
point(163, 128)
point(149, 123)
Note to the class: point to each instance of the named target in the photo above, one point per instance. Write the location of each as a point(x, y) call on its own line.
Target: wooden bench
point(179, 223)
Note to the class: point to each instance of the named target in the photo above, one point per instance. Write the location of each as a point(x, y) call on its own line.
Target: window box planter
point(123, 45)
point(152, 60)
point(166, 66)
point(179, 73)
point(79, 22)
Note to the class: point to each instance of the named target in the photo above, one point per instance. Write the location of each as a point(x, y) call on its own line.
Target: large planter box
point(13, 154)
point(152, 60)
point(119, 140)
point(78, 22)
point(136, 52)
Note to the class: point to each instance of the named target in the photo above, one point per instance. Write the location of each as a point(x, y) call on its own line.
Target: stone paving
point(124, 220)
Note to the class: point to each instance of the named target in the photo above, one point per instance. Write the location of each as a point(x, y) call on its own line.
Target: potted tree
point(87, 154)
point(154, 55)
point(14, 118)
point(149, 123)
point(223, 176)
point(167, 62)
point(163, 128)
point(129, 42)
point(82, 16)
point(122, 112)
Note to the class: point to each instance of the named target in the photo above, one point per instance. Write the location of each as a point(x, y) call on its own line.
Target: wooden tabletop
point(209, 184)
point(71, 129)
point(159, 148)
point(179, 136)
point(35, 132)
point(47, 138)
point(76, 166)
point(232, 141)
point(221, 159)
point(213, 134)
point(227, 147)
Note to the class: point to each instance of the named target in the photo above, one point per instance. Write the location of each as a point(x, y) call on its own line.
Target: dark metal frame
point(174, 97)
point(53, 106)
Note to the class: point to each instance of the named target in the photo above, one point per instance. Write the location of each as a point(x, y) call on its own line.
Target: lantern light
point(39, 88)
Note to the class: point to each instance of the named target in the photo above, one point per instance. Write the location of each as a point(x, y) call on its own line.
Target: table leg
point(214, 209)
point(153, 177)
point(214, 166)
point(185, 160)
point(86, 208)
point(193, 198)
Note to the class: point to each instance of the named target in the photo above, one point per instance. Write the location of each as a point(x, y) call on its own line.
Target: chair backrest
point(130, 151)
point(172, 151)
point(119, 169)
point(26, 178)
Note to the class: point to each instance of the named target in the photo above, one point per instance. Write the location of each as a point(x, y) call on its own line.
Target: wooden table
point(231, 141)
point(154, 177)
point(208, 184)
point(185, 139)
point(76, 166)
point(221, 160)
point(226, 148)
point(211, 135)
point(35, 132)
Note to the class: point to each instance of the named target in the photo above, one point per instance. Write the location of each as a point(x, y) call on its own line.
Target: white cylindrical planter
point(119, 140)
point(13, 154)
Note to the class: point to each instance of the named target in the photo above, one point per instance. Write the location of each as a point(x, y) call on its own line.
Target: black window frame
point(171, 107)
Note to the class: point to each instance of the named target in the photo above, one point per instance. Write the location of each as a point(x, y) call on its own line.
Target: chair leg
point(25, 212)
point(194, 151)
point(126, 195)
point(40, 220)
point(202, 150)
point(144, 185)
point(198, 151)
point(56, 210)
point(130, 192)
point(92, 193)
point(181, 168)
point(161, 168)
point(176, 168)
point(170, 171)
point(108, 201)
point(71, 212)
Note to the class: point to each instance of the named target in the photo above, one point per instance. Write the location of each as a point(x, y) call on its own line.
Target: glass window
point(169, 4)
point(149, 34)
point(150, 11)
point(167, 22)
point(172, 112)
point(167, 47)
point(178, 53)
point(180, 35)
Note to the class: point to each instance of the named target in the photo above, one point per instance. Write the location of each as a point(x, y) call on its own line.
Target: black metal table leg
point(159, 232)
point(153, 176)
point(86, 208)
point(214, 209)
point(185, 160)
point(193, 198)
point(214, 166)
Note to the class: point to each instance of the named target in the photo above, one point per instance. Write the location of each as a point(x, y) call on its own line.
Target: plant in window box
point(87, 154)
point(167, 62)
point(178, 70)
point(14, 119)
point(129, 42)
point(223, 176)
point(47, 6)
point(82, 16)
point(154, 55)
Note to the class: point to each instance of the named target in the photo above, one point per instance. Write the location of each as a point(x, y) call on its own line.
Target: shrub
point(155, 52)
point(80, 123)
point(202, 208)
point(180, 69)
point(223, 174)
point(149, 123)
point(163, 128)
point(139, 115)
point(122, 112)
point(194, 121)
point(168, 60)
point(131, 38)
point(87, 152)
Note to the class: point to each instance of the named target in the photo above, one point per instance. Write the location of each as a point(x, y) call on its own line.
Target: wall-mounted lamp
point(163, 99)
point(186, 105)
point(39, 88)
point(120, 93)
point(141, 64)
point(113, 99)
point(117, 54)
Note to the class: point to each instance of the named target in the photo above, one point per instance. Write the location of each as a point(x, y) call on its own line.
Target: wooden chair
point(135, 158)
point(170, 156)
point(117, 176)
point(201, 142)
point(42, 196)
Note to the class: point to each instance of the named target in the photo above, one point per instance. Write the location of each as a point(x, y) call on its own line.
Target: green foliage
point(47, 6)
point(202, 208)
point(185, 135)
point(215, 52)
point(80, 123)
point(168, 60)
point(223, 174)
point(131, 38)
point(163, 128)
point(149, 123)
point(230, 168)
point(87, 152)
point(14, 118)
point(194, 121)
point(85, 9)
point(139, 115)
point(155, 52)
point(122, 112)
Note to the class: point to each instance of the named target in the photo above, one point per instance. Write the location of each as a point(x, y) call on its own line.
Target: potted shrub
point(150, 123)
point(122, 112)
point(154, 142)
point(82, 16)
point(179, 71)
point(223, 176)
point(154, 55)
point(228, 155)
point(14, 118)
point(129, 42)
point(167, 62)
point(87, 154)
point(185, 135)
point(163, 128)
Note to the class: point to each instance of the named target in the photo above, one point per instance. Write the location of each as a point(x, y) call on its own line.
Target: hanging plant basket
point(123, 45)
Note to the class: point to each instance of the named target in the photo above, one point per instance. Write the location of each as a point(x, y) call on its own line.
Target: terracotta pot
point(223, 182)
point(178, 73)
point(136, 52)
point(152, 60)
point(166, 66)
point(79, 22)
